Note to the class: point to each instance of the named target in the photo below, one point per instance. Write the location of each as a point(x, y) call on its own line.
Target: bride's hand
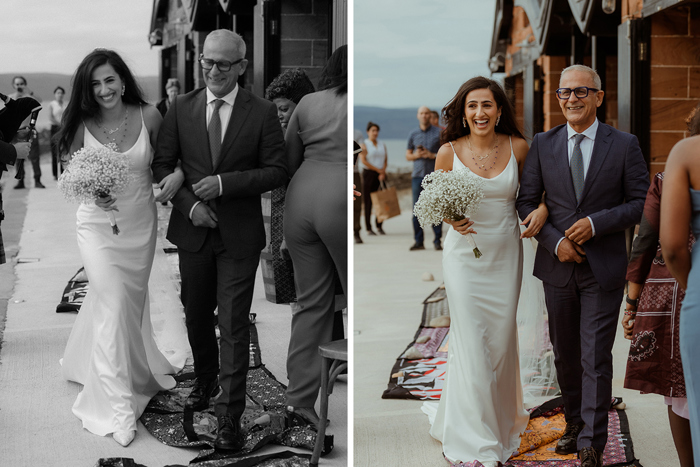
point(169, 185)
point(462, 227)
point(106, 203)
point(535, 221)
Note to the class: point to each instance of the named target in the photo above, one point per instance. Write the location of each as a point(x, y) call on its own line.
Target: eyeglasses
point(223, 65)
point(580, 92)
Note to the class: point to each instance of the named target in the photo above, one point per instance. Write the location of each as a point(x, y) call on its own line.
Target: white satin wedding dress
point(480, 415)
point(111, 350)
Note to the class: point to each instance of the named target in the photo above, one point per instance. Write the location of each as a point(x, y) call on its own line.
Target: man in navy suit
point(594, 180)
point(231, 149)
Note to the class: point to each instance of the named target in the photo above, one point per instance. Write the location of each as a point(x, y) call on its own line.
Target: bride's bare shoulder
point(444, 158)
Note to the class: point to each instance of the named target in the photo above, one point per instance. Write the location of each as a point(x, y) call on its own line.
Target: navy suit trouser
point(214, 278)
point(582, 325)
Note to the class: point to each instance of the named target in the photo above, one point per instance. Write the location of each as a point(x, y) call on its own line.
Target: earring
point(123, 89)
point(464, 122)
point(498, 120)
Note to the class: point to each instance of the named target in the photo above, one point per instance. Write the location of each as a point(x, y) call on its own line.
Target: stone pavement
point(388, 294)
point(37, 427)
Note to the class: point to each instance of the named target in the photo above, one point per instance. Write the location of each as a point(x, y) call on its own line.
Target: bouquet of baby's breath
point(454, 195)
point(95, 172)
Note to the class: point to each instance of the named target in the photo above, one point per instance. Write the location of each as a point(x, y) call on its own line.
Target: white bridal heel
point(124, 437)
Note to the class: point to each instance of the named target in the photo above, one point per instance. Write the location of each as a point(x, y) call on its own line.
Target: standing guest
point(56, 108)
point(21, 90)
point(286, 91)
point(9, 154)
point(596, 180)
point(111, 350)
point(315, 226)
point(423, 145)
point(435, 119)
point(374, 159)
point(680, 207)
point(172, 89)
point(357, 182)
point(230, 145)
point(653, 307)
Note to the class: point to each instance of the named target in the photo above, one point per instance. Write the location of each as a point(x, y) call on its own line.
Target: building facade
point(647, 53)
point(279, 34)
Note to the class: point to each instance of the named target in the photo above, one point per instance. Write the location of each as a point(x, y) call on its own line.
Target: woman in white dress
point(111, 350)
point(481, 415)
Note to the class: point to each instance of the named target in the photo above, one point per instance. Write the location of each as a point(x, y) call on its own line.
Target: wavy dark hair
point(335, 74)
point(693, 121)
point(82, 102)
point(453, 112)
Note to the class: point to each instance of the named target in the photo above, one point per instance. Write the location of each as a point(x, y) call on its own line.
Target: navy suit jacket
point(252, 161)
point(613, 197)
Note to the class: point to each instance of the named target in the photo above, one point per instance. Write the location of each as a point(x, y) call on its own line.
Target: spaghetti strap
point(510, 140)
point(141, 109)
point(453, 149)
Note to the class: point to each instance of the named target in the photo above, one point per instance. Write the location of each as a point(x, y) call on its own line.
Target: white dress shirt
point(586, 146)
point(225, 115)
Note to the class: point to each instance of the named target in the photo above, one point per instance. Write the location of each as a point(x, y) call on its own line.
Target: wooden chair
point(334, 360)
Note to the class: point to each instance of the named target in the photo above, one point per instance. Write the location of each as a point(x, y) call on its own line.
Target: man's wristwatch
point(631, 301)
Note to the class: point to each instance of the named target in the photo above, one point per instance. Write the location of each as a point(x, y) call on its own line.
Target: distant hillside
point(393, 123)
point(43, 84)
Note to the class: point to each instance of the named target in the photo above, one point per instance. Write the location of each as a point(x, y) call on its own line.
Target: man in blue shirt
point(423, 145)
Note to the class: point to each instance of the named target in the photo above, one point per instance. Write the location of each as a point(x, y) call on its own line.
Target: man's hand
point(580, 232)
point(203, 216)
point(207, 188)
point(22, 149)
point(569, 252)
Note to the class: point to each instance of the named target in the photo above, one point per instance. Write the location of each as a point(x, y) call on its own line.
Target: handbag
point(385, 202)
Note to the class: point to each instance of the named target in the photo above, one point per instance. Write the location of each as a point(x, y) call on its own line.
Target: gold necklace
point(475, 156)
point(109, 131)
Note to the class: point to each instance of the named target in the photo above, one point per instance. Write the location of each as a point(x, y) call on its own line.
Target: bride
point(481, 415)
point(111, 349)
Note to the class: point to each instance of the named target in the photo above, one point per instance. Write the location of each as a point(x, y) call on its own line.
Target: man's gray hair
point(229, 35)
point(585, 69)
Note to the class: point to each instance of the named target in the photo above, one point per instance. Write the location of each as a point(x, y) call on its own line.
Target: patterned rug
point(264, 422)
point(547, 425)
point(419, 372)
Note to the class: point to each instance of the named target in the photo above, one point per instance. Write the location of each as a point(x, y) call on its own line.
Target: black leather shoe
point(438, 246)
point(567, 443)
point(19, 185)
point(358, 239)
point(38, 184)
point(202, 391)
point(590, 457)
point(381, 231)
point(371, 232)
point(417, 246)
point(229, 436)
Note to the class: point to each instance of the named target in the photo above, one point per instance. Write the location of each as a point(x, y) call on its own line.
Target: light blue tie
point(576, 166)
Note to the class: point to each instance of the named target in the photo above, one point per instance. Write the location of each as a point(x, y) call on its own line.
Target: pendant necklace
point(480, 164)
point(108, 132)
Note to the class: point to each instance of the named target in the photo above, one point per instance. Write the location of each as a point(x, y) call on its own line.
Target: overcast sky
point(418, 52)
point(54, 36)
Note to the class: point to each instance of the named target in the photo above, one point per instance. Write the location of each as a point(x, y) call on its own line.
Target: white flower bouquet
point(95, 172)
point(454, 195)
